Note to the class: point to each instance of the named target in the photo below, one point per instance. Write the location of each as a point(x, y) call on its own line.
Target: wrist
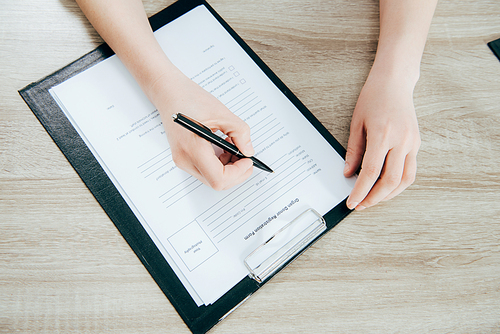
point(399, 61)
point(161, 88)
point(406, 75)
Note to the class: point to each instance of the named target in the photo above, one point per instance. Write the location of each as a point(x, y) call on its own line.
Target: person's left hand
point(384, 139)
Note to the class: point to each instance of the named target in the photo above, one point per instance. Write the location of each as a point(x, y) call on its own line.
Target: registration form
point(204, 234)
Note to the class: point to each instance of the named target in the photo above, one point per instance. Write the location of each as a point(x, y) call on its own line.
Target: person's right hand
point(124, 26)
point(178, 94)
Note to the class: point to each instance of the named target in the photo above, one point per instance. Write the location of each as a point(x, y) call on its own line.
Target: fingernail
point(346, 167)
point(360, 207)
point(351, 205)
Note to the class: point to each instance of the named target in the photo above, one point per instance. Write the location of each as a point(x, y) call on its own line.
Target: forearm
point(404, 25)
point(124, 26)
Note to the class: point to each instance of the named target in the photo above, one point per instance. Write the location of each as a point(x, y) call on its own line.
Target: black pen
point(206, 133)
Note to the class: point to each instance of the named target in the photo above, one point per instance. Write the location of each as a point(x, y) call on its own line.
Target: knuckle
point(245, 127)
point(392, 180)
point(409, 179)
point(372, 172)
point(386, 137)
point(350, 152)
point(418, 143)
point(412, 143)
point(235, 121)
point(245, 130)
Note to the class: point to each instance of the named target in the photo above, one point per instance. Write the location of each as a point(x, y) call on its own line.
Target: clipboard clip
point(284, 245)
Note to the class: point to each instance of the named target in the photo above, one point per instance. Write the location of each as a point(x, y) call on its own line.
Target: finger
point(233, 172)
point(239, 133)
point(389, 180)
point(409, 173)
point(355, 150)
point(227, 158)
point(243, 177)
point(370, 172)
point(217, 175)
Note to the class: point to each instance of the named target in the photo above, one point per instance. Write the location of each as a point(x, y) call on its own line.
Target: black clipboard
point(495, 47)
point(199, 319)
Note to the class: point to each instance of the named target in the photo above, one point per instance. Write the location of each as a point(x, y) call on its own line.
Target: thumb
point(355, 150)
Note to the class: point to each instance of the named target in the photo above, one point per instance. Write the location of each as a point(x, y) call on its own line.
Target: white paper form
point(204, 235)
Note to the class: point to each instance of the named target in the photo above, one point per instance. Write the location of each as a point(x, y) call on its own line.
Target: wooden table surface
point(426, 261)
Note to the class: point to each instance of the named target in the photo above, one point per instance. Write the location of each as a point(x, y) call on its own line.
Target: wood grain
point(426, 261)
